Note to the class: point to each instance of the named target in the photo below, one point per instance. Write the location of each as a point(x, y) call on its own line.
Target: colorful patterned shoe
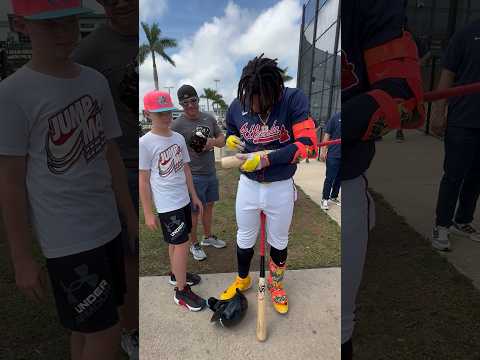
point(275, 286)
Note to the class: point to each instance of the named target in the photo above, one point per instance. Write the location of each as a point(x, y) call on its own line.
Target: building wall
point(319, 60)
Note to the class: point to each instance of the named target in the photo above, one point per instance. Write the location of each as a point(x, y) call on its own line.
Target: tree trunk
point(155, 74)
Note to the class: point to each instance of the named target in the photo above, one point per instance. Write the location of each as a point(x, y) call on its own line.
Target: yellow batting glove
point(234, 143)
point(253, 162)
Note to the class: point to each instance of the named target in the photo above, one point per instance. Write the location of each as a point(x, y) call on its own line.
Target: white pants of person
point(275, 199)
point(358, 218)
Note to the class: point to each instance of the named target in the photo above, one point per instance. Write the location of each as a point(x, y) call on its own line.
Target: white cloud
point(275, 32)
point(223, 45)
point(152, 10)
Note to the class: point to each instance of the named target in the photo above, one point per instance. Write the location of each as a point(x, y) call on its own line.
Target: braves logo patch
point(258, 134)
point(74, 131)
point(170, 160)
point(349, 77)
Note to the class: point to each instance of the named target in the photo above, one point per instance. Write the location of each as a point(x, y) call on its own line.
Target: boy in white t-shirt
point(61, 172)
point(165, 176)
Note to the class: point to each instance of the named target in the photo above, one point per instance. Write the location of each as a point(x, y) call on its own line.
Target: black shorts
point(176, 225)
point(89, 287)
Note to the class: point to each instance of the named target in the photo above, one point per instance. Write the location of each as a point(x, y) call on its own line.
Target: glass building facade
point(319, 58)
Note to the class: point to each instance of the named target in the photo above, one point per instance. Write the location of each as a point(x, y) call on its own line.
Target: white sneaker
point(466, 230)
point(130, 344)
point(197, 252)
point(324, 205)
point(440, 239)
point(213, 241)
point(335, 201)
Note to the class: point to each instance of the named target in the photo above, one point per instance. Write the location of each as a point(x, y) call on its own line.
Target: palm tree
point(220, 102)
point(155, 44)
point(285, 76)
point(209, 94)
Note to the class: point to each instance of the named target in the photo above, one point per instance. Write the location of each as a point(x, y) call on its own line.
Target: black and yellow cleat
point(240, 284)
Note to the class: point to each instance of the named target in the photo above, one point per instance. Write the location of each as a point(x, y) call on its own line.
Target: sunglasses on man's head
point(192, 101)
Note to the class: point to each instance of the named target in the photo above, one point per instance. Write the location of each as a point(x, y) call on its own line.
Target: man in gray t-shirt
point(202, 164)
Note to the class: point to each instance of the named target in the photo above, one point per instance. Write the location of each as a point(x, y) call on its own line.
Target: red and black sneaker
point(192, 279)
point(189, 299)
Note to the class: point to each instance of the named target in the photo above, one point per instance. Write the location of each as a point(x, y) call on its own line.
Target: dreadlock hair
point(262, 77)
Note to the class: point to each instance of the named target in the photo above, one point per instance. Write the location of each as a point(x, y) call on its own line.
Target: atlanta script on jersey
point(272, 133)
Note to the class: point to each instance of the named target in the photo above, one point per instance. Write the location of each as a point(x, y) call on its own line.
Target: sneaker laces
point(197, 246)
point(467, 228)
point(188, 291)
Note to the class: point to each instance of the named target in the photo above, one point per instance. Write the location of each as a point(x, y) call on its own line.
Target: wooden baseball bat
point(229, 162)
point(261, 321)
point(460, 90)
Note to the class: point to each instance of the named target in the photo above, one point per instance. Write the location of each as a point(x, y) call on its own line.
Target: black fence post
point(3, 64)
point(432, 83)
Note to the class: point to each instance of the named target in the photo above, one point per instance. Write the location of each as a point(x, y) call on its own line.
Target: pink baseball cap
point(48, 9)
point(158, 101)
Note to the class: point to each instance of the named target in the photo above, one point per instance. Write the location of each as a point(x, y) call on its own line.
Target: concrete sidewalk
point(310, 331)
point(310, 177)
point(408, 175)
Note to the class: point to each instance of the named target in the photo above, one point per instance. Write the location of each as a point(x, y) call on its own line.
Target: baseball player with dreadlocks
point(267, 116)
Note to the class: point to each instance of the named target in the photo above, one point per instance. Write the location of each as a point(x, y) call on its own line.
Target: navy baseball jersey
point(333, 127)
point(365, 24)
point(272, 133)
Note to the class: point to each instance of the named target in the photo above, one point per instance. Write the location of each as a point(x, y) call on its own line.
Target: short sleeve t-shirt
point(463, 58)
point(202, 163)
point(62, 126)
point(164, 157)
point(334, 129)
point(115, 56)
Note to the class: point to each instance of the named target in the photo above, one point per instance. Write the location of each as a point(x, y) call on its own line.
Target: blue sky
point(183, 18)
point(216, 38)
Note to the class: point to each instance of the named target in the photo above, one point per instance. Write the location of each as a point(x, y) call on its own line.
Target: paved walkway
point(310, 331)
point(407, 175)
point(310, 177)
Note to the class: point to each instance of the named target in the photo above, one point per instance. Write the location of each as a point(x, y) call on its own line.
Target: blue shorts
point(206, 187)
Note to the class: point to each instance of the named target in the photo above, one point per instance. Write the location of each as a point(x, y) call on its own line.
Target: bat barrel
point(330, 142)
point(452, 92)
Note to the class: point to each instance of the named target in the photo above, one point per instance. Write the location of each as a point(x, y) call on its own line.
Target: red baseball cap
point(48, 9)
point(158, 101)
